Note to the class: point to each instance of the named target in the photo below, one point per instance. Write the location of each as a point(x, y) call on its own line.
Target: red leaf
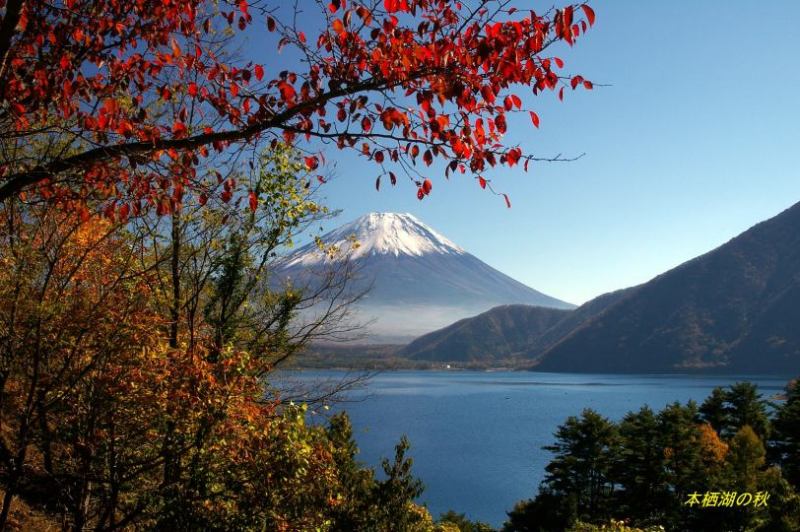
point(427, 186)
point(312, 162)
point(535, 119)
point(202, 199)
point(258, 71)
point(270, 24)
point(301, 36)
point(392, 178)
point(420, 193)
point(508, 201)
point(378, 183)
point(588, 85)
point(559, 62)
point(192, 89)
point(253, 199)
point(338, 26)
point(516, 100)
point(178, 128)
point(561, 94)
point(481, 182)
point(287, 92)
point(589, 12)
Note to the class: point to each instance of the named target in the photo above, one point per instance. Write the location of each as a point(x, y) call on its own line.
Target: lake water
point(476, 437)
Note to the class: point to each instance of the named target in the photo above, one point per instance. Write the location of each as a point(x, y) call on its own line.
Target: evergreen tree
point(585, 451)
point(714, 411)
point(355, 510)
point(786, 439)
point(640, 469)
point(746, 407)
point(396, 493)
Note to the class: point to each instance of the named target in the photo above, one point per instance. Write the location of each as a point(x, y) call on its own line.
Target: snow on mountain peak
point(380, 233)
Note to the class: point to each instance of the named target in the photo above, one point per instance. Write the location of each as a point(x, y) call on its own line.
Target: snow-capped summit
point(379, 233)
point(418, 280)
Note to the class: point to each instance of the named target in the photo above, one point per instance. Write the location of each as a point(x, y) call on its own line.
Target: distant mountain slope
point(499, 333)
point(734, 309)
point(521, 331)
point(420, 281)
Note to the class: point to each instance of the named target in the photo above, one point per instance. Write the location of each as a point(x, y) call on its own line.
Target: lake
point(476, 437)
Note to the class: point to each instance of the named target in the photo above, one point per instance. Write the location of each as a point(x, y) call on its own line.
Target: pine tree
point(786, 439)
point(585, 451)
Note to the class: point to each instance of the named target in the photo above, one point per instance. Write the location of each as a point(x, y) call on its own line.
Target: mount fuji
point(418, 279)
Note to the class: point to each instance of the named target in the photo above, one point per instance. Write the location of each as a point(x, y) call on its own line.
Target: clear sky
point(695, 140)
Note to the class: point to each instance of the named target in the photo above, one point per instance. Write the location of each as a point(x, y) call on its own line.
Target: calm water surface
point(476, 437)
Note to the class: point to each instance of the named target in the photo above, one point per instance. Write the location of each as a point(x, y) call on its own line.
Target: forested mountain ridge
point(501, 332)
point(735, 309)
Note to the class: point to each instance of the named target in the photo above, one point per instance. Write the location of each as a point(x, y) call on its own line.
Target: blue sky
point(695, 140)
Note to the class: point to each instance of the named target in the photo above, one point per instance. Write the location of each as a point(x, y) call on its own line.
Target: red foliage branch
point(109, 85)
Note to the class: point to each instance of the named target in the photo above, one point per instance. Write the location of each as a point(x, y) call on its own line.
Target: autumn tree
point(136, 357)
point(73, 319)
point(212, 268)
point(114, 92)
